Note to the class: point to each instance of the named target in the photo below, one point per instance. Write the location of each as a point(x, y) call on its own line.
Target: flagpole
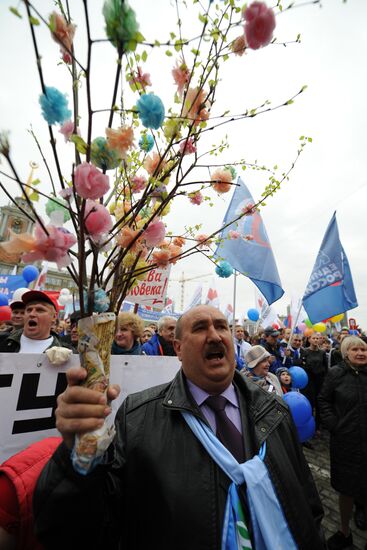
point(234, 303)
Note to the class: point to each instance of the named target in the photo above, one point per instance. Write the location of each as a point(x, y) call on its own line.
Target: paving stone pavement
point(318, 460)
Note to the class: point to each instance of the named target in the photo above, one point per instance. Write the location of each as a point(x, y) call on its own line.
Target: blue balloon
point(3, 300)
point(306, 431)
point(253, 314)
point(30, 273)
point(300, 407)
point(299, 377)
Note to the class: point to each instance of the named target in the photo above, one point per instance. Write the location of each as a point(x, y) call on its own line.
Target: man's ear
point(177, 348)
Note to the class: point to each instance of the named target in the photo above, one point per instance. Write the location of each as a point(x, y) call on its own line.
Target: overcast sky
point(330, 175)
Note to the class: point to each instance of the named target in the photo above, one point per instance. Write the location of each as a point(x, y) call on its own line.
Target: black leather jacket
point(162, 490)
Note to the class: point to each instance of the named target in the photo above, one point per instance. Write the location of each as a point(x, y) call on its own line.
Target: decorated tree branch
point(108, 206)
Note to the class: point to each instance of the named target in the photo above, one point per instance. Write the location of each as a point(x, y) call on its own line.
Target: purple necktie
point(227, 432)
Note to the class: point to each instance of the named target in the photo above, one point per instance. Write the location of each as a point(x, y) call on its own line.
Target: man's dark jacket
point(163, 490)
point(11, 344)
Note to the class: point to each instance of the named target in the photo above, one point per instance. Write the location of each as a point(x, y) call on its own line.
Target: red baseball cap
point(39, 296)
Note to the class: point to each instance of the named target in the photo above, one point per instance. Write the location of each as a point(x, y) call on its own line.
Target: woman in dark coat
point(343, 409)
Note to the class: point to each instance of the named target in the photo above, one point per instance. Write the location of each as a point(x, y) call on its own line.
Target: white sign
point(152, 291)
point(29, 386)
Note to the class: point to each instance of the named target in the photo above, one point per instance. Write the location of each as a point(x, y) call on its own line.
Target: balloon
point(300, 407)
point(337, 318)
point(308, 332)
point(17, 296)
point(274, 325)
point(308, 323)
point(64, 299)
point(64, 291)
point(319, 327)
point(306, 431)
point(253, 314)
point(302, 326)
point(3, 300)
point(299, 377)
point(30, 273)
point(5, 314)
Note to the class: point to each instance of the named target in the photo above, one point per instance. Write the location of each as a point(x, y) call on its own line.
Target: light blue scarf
point(270, 528)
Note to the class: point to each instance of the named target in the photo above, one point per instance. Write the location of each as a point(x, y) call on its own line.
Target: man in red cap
point(40, 311)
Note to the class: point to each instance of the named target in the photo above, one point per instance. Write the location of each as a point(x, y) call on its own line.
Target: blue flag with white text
point(330, 289)
point(250, 252)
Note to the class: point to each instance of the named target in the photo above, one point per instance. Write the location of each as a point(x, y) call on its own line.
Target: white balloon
point(17, 296)
point(64, 292)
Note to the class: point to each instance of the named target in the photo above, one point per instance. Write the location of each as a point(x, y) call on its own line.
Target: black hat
point(271, 331)
point(17, 304)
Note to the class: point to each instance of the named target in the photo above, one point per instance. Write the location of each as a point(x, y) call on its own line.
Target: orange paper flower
point(63, 33)
point(179, 241)
point(221, 181)
point(174, 251)
point(195, 107)
point(161, 257)
point(151, 163)
point(120, 140)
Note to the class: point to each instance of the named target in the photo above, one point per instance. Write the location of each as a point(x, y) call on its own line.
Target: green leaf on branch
point(14, 11)
point(34, 21)
point(144, 56)
point(79, 143)
point(203, 18)
point(34, 197)
point(168, 53)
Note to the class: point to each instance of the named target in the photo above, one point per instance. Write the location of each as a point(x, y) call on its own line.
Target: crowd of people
point(163, 459)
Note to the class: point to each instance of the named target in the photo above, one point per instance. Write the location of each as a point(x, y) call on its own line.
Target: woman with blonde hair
point(343, 410)
point(128, 333)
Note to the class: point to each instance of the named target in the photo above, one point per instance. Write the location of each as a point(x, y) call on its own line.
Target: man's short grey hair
point(163, 320)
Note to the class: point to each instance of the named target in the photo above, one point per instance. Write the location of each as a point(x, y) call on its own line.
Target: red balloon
point(5, 314)
point(274, 325)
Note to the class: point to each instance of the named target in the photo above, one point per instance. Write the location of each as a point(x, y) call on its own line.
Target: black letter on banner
point(6, 380)
point(28, 400)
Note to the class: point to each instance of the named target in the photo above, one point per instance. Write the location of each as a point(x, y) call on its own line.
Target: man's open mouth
point(32, 323)
point(214, 354)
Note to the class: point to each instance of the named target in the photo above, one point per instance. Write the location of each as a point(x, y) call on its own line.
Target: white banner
point(152, 291)
point(29, 386)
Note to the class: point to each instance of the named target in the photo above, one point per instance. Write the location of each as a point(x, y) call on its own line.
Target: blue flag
point(250, 253)
point(330, 289)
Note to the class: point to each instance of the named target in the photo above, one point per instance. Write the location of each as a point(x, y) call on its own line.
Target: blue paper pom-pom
point(146, 142)
point(54, 106)
point(102, 156)
point(224, 269)
point(101, 301)
point(151, 111)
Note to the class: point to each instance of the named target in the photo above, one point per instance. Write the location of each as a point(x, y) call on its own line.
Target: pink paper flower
point(196, 198)
point(138, 183)
point(66, 193)
point(53, 247)
point(161, 257)
point(120, 140)
point(140, 78)
point(248, 237)
point(154, 233)
point(259, 25)
point(97, 219)
point(181, 76)
point(67, 130)
point(89, 182)
point(238, 45)
point(221, 181)
point(203, 241)
point(187, 147)
point(233, 234)
point(249, 209)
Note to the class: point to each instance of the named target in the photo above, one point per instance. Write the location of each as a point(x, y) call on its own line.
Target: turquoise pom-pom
point(151, 111)
point(224, 269)
point(54, 106)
